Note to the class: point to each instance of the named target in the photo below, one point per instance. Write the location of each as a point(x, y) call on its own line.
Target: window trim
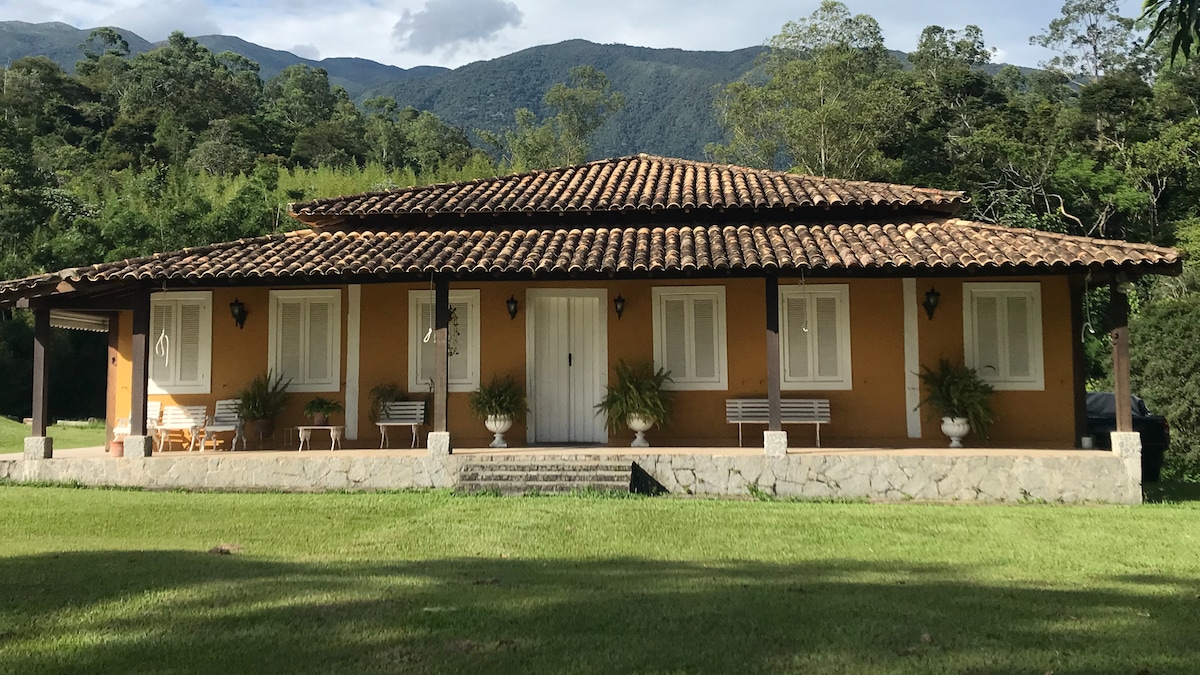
point(841, 293)
point(658, 294)
point(1031, 289)
point(204, 299)
point(415, 334)
point(334, 296)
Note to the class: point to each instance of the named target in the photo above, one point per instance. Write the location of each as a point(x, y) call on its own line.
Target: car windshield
point(1103, 403)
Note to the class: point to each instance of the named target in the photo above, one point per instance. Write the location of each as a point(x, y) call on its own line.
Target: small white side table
point(335, 436)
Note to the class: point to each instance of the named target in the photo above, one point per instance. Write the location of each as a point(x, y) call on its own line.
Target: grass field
point(123, 582)
point(12, 435)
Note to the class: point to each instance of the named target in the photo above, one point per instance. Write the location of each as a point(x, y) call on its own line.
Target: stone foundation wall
point(1084, 477)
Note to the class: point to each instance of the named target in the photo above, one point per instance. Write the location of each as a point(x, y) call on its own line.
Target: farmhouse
point(743, 283)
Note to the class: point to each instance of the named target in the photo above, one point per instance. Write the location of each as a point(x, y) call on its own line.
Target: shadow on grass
point(1171, 492)
point(158, 611)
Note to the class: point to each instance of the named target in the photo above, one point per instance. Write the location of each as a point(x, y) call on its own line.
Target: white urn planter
point(498, 424)
point(641, 425)
point(955, 428)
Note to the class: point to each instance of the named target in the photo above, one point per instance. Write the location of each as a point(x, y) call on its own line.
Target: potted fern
point(961, 397)
point(637, 400)
point(319, 409)
point(381, 395)
point(498, 403)
point(261, 401)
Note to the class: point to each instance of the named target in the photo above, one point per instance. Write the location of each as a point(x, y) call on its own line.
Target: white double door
point(567, 364)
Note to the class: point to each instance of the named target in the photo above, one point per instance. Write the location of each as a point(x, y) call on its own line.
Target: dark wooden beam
point(141, 361)
point(774, 399)
point(41, 383)
point(1119, 319)
point(441, 354)
point(1078, 358)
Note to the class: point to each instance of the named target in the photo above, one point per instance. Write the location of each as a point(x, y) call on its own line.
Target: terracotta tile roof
point(635, 183)
point(924, 246)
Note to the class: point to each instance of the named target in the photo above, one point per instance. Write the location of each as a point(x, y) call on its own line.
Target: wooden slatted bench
point(741, 411)
point(401, 414)
point(189, 418)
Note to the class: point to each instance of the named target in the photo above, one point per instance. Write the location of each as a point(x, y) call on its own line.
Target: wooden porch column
point(110, 370)
point(1078, 363)
point(141, 362)
point(441, 355)
point(1119, 318)
point(41, 385)
point(774, 414)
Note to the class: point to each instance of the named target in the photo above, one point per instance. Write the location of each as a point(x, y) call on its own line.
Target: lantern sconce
point(511, 304)
point(239, 312)
point(931, 301)
point(619, 305)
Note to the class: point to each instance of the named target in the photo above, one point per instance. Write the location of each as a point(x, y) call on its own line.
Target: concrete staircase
point(519, 474)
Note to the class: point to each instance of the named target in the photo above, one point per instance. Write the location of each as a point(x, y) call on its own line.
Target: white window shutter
point(290, 349)
point(424, 349)
point(1020, 364)
point(987, 337)
point(674, 338)
point(704, 323)
point(796, 366)
point(459, 338)
point(188, 343)
point(320, 323)
point(828, 357)
point(162, 343)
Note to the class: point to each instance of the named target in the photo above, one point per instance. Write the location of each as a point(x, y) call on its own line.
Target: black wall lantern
point(619, 306)
point(238, 310)
point(511, 304)
point(931, 301)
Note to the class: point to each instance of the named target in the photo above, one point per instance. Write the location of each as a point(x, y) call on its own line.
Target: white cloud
point(447, 25)
point(156, 19)
point(308, 51)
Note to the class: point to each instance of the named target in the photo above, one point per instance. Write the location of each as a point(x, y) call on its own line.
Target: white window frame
point(845, 379)
point(1036, 381)
point(416, 334)
point(681, 381)
point(334, 297)
point(204, 299)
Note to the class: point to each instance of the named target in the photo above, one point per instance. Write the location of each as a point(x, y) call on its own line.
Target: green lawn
point(122, 582)
point(12, 435)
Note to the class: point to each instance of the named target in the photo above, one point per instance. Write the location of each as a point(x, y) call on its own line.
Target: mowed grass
point(105, 581)
point(12, 436)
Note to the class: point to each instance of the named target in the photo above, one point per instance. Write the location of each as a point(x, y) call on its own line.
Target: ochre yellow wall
point(872, 413)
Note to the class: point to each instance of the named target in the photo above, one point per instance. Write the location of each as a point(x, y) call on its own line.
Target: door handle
point(570, 358)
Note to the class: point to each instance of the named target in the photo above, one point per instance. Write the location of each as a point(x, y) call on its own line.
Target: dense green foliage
point(110, 581)
point(1166, 367)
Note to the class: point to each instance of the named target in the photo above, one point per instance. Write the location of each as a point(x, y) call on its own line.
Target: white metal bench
point(225, 419)
point(189, 418)
point(741, 411)
point(153, 410)
point(401, 414)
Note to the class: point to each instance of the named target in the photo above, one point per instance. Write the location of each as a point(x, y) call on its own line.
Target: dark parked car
point(1155, 432)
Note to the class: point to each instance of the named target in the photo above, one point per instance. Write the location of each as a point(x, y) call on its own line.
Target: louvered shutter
point(459, 337)
point(704, 328)
point(424, 349)
point(987, 336)
point(674, 338)
point(290, 347)
point(828, 356)
point(796, 366)
point(188, 343)
point(1020, 365)
point(320, 323)
point(162, 343)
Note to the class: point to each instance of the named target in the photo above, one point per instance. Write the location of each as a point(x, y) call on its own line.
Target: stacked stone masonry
point(1085, 477)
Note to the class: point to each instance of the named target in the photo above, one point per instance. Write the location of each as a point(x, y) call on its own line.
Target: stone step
point(546, 476)
point(546, 467)
point(507, 488)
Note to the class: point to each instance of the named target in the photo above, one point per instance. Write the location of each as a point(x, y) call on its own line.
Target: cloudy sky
point(450, 33)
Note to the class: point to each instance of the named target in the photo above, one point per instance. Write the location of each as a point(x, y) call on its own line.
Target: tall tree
point(1091, 38)
point(823, 101)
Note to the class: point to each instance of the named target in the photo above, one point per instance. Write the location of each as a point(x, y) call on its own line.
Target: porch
point(878, 474)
